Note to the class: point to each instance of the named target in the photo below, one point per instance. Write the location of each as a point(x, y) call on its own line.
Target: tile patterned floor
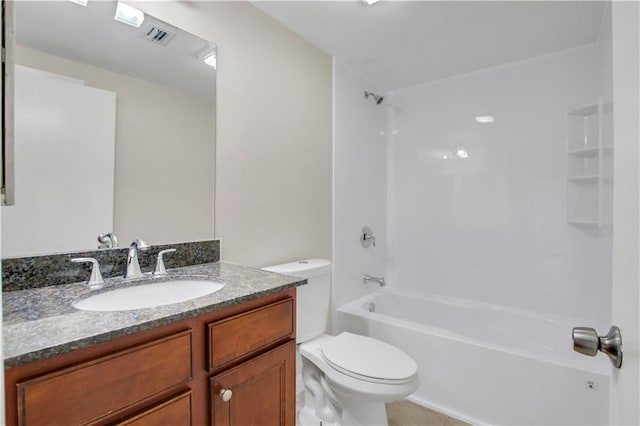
point(407, 413)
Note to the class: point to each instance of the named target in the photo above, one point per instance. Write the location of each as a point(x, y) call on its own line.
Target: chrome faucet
point(107, 240)
point(160, 269)
point(379, 280)
point(133, 266)
point(95, 281)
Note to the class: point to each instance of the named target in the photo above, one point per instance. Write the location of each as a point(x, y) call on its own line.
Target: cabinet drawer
point(172, 412)
point(240, 335)
point(93, 389)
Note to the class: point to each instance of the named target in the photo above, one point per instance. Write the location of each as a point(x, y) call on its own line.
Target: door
point(64, 155)
point(624, 394)
point(258, 392)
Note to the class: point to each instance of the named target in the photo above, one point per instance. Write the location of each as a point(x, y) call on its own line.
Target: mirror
point(114, 129)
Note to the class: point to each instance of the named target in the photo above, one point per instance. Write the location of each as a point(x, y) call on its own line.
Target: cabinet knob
point(226, 394)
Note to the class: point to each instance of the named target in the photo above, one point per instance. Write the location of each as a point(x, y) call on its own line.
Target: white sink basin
point(148, 295)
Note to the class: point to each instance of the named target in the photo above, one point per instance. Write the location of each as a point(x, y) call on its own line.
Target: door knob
point(587, 342)
point(226, 394)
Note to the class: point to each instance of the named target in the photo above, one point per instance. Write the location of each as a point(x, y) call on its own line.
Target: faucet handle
point(95, 281)
point(107, 240)
point(160, 270)
point(367, 238)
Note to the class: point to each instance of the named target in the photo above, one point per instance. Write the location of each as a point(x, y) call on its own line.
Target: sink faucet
point(95, 281)
point(379, 280)
point(133, 266)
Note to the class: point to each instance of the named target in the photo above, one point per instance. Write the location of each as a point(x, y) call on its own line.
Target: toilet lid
point(368, 358)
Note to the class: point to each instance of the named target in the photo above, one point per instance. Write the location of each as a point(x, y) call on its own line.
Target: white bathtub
point(487, 364)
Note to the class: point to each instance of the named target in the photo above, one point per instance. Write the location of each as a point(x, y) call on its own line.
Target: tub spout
point(379, 280)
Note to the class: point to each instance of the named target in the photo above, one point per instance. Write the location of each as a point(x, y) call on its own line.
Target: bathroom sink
point(148, 295)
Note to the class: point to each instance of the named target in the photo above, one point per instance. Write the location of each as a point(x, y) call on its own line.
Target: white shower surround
point(490, 229)
point(359, 174)
point(493, 227)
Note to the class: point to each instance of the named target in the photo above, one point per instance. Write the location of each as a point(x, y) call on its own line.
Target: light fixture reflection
point(129, 15)
point(462, 153)
point(484, 119)
point(370, 2)
point(80, 2)
point(211, 60)
point(208, 55)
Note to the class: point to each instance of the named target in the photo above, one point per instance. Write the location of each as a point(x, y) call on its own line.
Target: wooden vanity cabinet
point(260, 390)
point(171, 375)
point(257, 391)
point(174, 411)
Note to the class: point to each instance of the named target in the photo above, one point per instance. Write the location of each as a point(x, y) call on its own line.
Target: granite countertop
point(40, 323)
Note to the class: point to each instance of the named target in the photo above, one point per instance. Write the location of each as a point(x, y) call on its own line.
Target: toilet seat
point(368, 359)
point(349, 385)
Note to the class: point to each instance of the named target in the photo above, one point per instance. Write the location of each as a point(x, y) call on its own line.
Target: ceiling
point(90, 35)
point(397, 44)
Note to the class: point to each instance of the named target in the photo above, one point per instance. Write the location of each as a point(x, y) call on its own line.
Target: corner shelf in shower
point(590, 179)
point(591, 152)
point(590, 165)
point(583, 222)
point(589, 223)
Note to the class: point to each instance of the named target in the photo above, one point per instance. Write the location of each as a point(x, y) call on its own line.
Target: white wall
point(359, 184)
point(493, 227)
point(273, 154)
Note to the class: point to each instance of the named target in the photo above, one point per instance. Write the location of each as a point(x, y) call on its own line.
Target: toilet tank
point(312, 307)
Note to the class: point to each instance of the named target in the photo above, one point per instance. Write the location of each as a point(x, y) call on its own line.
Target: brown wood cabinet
point(259, 390)
point(234, 366)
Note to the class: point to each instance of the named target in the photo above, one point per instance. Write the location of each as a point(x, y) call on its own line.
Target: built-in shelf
point(585, 111)
point(590, 161)
point(588, 223)
point(593, 109)
point(583, 222)
point(591, 152)
point(590, 179)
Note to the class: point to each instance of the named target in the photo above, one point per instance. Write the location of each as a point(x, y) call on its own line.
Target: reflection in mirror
point(114, 130)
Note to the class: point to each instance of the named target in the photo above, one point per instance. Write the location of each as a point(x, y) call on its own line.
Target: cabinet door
point(259, 392)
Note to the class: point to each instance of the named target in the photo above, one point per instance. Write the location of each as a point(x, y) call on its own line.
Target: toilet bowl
point(343, 379)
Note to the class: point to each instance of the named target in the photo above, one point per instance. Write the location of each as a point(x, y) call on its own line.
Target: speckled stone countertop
point(40, 323)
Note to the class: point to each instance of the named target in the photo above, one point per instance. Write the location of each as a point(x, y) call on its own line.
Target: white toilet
point(343, 379)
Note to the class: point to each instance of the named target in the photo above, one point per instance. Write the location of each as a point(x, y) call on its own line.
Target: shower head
point(375, 97)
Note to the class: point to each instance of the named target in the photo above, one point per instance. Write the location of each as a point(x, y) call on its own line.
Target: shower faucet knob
point(367, 238)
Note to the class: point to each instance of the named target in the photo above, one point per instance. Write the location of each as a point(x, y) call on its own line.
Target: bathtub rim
point(358, 308)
